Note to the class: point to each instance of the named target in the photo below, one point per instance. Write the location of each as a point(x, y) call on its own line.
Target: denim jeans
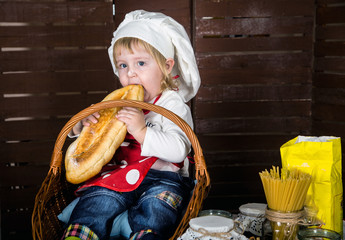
point(156, 205)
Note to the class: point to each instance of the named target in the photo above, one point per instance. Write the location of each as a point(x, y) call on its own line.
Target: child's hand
point(135, 122)
point(93, 118)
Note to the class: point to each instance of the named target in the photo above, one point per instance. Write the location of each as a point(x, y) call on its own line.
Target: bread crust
point(98, 142)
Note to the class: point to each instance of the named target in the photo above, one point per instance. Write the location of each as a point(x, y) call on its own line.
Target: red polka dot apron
point(126, 170)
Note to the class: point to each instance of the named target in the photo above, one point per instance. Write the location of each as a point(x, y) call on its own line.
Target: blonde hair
point(127, 42)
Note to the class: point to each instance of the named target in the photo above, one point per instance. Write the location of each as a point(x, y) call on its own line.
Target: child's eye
point(141, 63)
point(122, 65)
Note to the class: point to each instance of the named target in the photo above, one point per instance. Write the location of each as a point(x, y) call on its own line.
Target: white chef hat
point(169, 38)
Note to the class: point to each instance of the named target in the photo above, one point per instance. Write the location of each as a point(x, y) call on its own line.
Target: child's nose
point(131, 72)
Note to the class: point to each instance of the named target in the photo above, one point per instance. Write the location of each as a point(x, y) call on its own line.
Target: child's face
point(141, 68)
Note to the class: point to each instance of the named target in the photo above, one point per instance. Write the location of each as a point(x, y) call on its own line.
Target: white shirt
point(164, 139)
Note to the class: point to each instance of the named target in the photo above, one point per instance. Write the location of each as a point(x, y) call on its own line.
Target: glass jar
point(283, 224)
point(317, 233)
point(284, 231)
point(215, 212)
point(252, 217)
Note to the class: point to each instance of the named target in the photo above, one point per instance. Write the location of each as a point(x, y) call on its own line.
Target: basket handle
point(200, 165)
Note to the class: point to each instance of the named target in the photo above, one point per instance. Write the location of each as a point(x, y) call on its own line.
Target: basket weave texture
point(56, 193)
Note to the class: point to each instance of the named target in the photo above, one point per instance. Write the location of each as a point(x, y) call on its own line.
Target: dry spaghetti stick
point(270, 191)
point(292, 195)
point(281, 186)
point(304, 190)
point(276, 194)
point(292, 204)
point(285, 195)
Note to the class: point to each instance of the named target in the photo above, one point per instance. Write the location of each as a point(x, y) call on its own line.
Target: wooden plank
point(328, 15)
point(330, 95)
point(175, 9)
point(253, 44)
point(253, 26)
point(231, 202)
point(322, 2)
point(237, 187)
point(330, 64)
point(33, 130)
point(16, 225)
point(248, 8)
point(55, 36)
point(50, 12)
point(252, 125)
point(30, 152)
point(330, 32)
point(252, 109)
point(17, 153)
point(44, 106)
point(235, 174)
point(321, 128)
point(242, 157)
point(180, 10)
point(276, 75)
point(46, 82)
point(330, 48)
point(18, 197)
point(328, 112)
point(18, 234)
point(254, 93)
point(23, 176)
point(269, 62)
point(252, 142)
point(54, 60)
point(324, 80)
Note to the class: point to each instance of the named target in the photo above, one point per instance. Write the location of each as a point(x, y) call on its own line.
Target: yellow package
point(321, 158)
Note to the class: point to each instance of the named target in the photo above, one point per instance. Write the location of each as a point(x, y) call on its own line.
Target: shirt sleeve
point(166, 140)
point(71, 134)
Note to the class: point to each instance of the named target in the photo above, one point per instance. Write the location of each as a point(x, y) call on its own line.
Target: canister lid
point(317, 233)
point(214, 224)
point(253, 209)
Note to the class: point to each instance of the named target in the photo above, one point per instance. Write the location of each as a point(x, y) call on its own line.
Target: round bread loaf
point(98, 142)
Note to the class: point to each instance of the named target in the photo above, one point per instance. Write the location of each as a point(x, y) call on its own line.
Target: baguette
point(98, 142)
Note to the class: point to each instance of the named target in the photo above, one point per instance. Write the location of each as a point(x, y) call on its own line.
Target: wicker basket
point(56, 193)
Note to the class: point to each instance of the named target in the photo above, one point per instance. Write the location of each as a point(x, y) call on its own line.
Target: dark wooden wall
point(329, 77)
point(53, 63)
point(270, 70)
point(255, 59)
